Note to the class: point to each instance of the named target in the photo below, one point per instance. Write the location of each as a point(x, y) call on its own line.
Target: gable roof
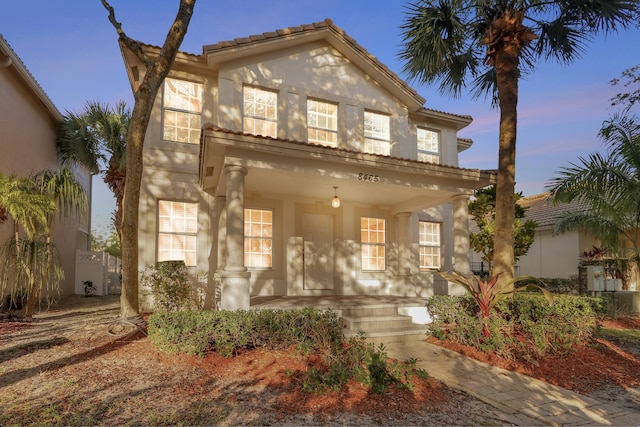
point(8, 58)
point(326, 30)
point(541, 209)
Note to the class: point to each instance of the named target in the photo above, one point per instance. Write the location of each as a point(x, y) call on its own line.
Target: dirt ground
point(72, 365)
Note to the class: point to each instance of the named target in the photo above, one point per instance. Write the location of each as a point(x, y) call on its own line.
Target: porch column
point(461, 234)
point(404, 253)
point(235, 277)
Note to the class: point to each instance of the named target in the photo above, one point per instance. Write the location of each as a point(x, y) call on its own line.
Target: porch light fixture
point(335, 202)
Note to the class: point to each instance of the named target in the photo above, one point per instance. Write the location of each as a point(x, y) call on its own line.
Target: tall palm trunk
point(505, 46)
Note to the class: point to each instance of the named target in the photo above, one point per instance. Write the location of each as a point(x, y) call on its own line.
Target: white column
point(461, 234)
point(235, 277)
point(404, 252)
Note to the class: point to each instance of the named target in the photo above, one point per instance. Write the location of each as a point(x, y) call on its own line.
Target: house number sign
point(368, 177)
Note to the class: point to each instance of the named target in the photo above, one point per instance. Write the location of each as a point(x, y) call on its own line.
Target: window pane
point(428, 145)
point(260, 112)
point(182, 105)
point(373, 243)
point(258, 230)
point(322, 122)
point(429, 240)
point(177, 229)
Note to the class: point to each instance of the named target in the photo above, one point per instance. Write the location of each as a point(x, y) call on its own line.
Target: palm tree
point(95, 139)
point(492, 43)
point(70, 199)
point(21, 200)
point(608, 185)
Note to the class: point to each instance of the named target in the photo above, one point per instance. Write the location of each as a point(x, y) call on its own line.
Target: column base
point(235, 290)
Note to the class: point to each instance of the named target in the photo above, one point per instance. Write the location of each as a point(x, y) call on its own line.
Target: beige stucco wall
point(318, 71)
point(554, 256)
point(27, 145)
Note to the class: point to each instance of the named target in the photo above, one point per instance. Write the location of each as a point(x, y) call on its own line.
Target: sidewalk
point(527, 400)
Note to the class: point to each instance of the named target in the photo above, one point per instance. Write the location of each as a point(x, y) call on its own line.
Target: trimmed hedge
point(227, 332)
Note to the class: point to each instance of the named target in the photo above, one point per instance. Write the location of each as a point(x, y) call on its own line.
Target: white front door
point(318, 251)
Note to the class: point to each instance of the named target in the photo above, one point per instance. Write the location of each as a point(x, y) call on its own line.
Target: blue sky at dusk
point(72, 51)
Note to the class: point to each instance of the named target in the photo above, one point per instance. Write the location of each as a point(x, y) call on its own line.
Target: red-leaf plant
point(490, 292)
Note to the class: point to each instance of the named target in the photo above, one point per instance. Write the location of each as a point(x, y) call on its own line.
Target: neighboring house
point(28, 126)
point(553, 256)
point(550, 256)
point(295, 163)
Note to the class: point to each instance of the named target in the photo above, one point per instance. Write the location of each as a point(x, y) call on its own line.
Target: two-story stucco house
point(294, 163)
point(28, 125)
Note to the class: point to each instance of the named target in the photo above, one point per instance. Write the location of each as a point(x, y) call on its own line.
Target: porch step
point(376, 323)
point(378, 317)
point(385, 336)
point(381, 324)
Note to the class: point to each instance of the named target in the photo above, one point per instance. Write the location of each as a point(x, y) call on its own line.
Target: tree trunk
point(507, 74)
point(156, 71)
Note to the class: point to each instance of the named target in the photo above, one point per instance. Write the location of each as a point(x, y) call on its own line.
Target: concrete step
point(381, 324)
point(407, 334)
point(375, 323)
point(366, 311)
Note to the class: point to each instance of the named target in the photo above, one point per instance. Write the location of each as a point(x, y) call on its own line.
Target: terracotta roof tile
point(540, 208)
point(327, 23)
point(212, 127)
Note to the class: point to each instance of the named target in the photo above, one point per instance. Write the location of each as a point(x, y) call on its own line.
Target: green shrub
point(524, 326)
point(228, 332)
point(171, 286)
point(310, 331)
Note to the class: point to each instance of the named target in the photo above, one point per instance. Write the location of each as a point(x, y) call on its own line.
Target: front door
point(318, 251)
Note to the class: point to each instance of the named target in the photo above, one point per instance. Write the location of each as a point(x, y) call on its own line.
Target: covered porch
point(316, 247)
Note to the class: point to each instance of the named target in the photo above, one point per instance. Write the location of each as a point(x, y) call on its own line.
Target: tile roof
point(209, 126)
point(541, 209)
point(315, 26)
point(16, 61)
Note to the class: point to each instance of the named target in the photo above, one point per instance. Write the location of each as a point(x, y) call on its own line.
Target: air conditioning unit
point(595, 278)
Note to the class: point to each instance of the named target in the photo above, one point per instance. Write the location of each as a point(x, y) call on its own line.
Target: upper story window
point(182, 108)
point(373, 239)
point(428, 145)
point(260, 112)
point(177, 231)
point(429, 241)
point(322, 122)
point(377, 137)
point(258, 238)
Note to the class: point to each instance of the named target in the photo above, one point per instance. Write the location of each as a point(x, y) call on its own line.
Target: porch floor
point(337, 302)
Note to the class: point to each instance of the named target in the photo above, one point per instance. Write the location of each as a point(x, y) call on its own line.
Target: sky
point(71, 49)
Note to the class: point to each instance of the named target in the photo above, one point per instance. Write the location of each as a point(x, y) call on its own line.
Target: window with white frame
point(322, 122)
point(429, 241)
point(260, 112)
point(377, 136)
point(177, 231)
point(258, 238)
point(428, 145)
point(373, 243)
point(182, 109)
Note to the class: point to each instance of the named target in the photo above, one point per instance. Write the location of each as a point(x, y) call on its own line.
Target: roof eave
point(11, 59)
